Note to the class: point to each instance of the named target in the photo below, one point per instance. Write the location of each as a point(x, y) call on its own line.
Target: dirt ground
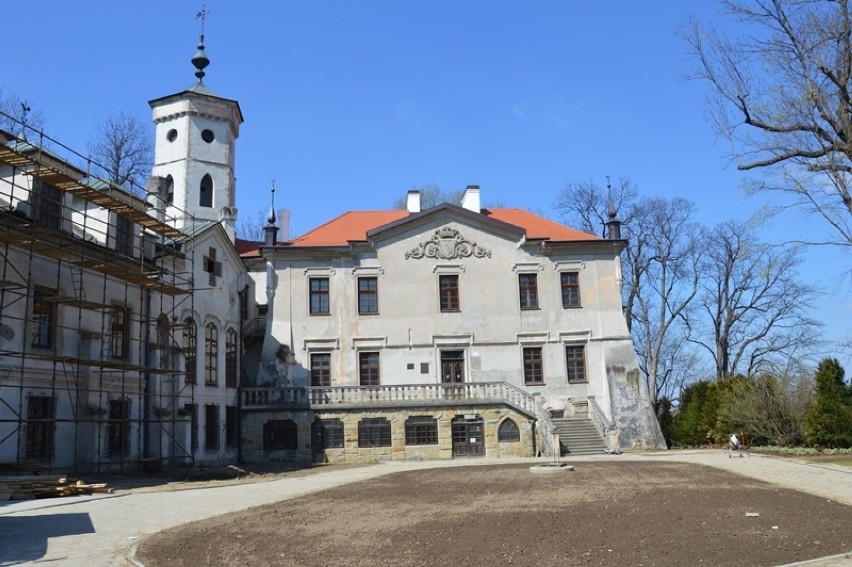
point(617, 514)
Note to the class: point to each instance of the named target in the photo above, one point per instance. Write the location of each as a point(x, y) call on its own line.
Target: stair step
point(578, 436)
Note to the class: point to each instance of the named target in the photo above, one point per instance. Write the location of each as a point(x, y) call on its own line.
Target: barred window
point(211, 427)
point(189, 352)
point(508, 432)
point(327, 433)
point(119, 333)
point(421, 430)
point(41, 415)
point(118, 427)
point(374, 433)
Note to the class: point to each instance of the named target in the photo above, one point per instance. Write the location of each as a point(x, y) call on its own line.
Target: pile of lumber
point(38, 486)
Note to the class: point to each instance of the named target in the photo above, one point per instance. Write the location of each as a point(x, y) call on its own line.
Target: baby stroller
point(737, 445)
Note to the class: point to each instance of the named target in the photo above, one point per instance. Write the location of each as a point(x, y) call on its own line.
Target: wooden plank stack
point(38, 486)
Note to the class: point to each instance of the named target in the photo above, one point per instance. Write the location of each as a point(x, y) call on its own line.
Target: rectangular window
point(123, 235)
point(319, 296)
point(211, 355)
point(327, 434)
point(192, 411)
point(570, 282)
point(368, 296)
point(43, 319)
point(452, 366)
point(118, 428)
point(40, 425)
point(575, 357)
point(280, 434)
point(448, 286)
point(421, 430)
point(231, 425)
point(528, 286)
point(321, 369)
point(532, 366)
point(211, 427)
point(230, 358)
point(48, 206)
point(368, 368)
point(374, 433)
point(119, 333)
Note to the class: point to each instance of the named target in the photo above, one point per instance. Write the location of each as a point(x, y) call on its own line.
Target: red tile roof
point(354, 225)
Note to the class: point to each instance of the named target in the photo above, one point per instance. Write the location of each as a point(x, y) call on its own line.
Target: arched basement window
point(205, 196)
point(508, 432)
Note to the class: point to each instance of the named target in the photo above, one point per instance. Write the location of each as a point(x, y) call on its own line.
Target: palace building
point(140, 332)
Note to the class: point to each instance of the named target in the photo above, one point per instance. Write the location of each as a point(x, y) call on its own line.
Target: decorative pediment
point(447, 244)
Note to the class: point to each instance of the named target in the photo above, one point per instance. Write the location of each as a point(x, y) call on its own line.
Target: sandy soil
point(619, 514)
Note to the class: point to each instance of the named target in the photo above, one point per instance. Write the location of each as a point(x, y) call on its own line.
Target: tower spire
point(270, 231)
point(200, 60)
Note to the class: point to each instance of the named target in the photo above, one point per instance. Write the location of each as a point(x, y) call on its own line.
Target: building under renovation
point(136, 331)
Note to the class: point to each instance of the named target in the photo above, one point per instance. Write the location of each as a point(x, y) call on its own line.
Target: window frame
point(211, 354)
point(41, 427)
point(231, 369)
point(119, 331)
point(369, 369)
point(368, 298)
point(421, 430)
point(319, 300)
point(574, 364)
point(528, 291)
point(280, 435)
point(123, 235)
point(118, 427)
point(533, 366)
point(320, 373)
point(44, 319)
point(231, 427)
point(205, 191)
point(571, 297)
point(332, 432)
point(374, 433)
point(449, 296)
point(190, 352)
point(212, 437)
point(508, 431)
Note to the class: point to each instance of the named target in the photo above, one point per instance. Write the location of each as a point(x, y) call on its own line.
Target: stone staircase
point(578, 436)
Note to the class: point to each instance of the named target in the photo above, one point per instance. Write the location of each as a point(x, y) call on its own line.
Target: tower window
point(169, 190)
point(205, 197)
point(207, 135)
point(171, 135)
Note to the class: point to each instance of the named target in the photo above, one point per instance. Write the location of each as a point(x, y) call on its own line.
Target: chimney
point(470, 199)
point(284, 225)
point(412, 203)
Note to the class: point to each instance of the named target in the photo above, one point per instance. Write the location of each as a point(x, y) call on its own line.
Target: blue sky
point(348, 104)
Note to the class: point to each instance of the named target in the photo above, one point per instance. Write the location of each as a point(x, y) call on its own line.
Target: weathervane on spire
point(203, 15)
point(271, 217)
point(200, 61)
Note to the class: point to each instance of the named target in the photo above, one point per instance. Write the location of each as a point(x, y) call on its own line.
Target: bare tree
point(17, 115)
point(586, 205)
point(753, 305)
point(251, 227)
point(781, 94)
point(431, 196)
point(122, 151)
point(661, 269)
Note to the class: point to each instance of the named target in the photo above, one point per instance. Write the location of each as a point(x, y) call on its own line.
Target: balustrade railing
point(258, 398)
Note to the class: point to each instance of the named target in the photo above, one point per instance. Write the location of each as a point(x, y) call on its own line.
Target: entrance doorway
point(452, 366)
point(468, 436)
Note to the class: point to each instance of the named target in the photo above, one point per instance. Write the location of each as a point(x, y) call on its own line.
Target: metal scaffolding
point(94, 285)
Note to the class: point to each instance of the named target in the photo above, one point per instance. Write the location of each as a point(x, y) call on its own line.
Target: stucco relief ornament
point(448, 244)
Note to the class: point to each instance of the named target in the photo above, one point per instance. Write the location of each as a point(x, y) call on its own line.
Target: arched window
point(189, 353)
point(205, 195)
point(508, 432)
point(169, 190)
point(211, 355)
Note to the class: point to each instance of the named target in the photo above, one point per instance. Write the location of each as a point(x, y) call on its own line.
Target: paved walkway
point(101, 530)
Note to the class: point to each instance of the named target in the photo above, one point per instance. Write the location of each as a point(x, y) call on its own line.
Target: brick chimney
point(470, 199)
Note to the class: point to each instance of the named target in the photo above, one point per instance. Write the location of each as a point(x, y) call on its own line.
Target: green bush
point(829, 421)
